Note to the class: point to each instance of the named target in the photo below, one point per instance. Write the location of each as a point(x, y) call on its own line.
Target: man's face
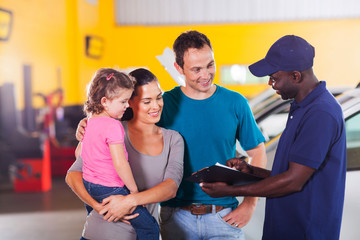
point(199, 69)
point(283, 84)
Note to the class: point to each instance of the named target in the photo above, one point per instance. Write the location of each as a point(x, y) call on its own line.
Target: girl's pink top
point(98, 165)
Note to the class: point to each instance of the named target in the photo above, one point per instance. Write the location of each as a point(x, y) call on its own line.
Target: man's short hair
point(189, 39)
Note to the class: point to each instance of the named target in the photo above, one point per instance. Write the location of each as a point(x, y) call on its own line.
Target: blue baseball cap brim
point(262, 68)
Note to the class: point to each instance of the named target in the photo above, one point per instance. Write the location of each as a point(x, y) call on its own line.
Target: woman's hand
point(80, 130)
point(116, 207)
point(126, 218)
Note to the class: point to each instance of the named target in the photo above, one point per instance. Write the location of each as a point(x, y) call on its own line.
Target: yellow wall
point(50, 35)
point(336, 43)
point(38, 38)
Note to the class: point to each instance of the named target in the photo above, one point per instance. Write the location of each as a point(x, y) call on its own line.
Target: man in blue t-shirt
point(210, 118)
point(305, 191)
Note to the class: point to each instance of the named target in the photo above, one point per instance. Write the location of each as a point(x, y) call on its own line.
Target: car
point(256, 101)
point(350, 103)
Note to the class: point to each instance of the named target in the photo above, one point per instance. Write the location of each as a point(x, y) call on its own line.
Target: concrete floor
point(60, 215)
point(56, 215)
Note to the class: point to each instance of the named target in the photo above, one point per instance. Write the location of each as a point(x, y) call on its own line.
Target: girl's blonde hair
point(106, 82)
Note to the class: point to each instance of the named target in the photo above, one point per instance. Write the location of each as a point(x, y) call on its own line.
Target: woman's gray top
point(148, 171)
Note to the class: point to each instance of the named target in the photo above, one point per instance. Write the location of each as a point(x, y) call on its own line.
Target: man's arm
point(258, 159)
point(293, 180)
point(258, 156)
point(243, 213)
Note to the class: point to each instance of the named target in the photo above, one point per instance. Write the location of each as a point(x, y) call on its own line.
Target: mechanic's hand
point(239, 164)
point(216, 190)
point(80, 130)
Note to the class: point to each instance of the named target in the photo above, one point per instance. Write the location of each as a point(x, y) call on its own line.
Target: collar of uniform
point(311, 96)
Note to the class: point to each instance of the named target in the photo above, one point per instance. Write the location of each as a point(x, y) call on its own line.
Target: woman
point(156, 159)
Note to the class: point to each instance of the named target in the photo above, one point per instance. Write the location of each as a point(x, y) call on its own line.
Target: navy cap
point(289, 53)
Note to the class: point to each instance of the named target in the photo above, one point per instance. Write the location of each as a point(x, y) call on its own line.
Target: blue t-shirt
point(210, 128)
point(315, 137)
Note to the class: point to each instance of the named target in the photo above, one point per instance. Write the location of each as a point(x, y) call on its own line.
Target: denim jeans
point(179, 224)
point(145, 225)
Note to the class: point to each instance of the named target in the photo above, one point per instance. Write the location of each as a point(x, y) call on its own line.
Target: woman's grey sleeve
point(77, 165)
point(175, 165)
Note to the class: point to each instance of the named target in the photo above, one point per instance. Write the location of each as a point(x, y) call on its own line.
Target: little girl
point(106, 170)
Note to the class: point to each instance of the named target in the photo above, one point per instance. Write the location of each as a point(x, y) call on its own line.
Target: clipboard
point(222, 173)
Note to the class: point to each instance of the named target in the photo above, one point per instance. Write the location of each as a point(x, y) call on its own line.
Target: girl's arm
point(122, 166)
